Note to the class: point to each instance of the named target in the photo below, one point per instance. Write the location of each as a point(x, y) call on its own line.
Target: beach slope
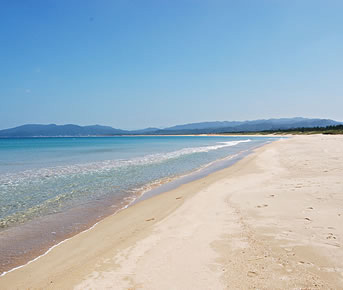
point(271, 221)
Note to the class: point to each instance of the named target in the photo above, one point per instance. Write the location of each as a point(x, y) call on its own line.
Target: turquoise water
point(41, 178)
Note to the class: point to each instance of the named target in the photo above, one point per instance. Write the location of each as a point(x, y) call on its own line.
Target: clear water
point(41, 176)
point(51, 188)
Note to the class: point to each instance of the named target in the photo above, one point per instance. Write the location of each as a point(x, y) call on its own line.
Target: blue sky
point(133, 64)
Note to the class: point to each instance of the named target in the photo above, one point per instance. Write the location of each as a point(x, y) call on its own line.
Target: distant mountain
point(249, 126)
point(205, 125)
point(144, 131)
point(35, 130)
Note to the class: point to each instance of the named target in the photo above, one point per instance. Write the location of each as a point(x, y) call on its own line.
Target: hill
point(52, 130)
point(37, 130)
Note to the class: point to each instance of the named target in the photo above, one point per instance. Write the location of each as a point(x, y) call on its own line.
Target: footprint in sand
point(305, 263)
point(263, 205)
point(252, 274)
point(331, 236)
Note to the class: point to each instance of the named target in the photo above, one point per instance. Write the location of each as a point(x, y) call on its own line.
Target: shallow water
point(51, 188)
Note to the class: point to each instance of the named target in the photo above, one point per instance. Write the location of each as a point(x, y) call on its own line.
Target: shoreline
point(147, 191)
point(120, 245)
point(158, 135)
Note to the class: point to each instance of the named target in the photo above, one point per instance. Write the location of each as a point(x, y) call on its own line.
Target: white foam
point(13, 179)
point(145, 189)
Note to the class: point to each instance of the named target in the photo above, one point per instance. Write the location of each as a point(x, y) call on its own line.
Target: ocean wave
point(11, 179)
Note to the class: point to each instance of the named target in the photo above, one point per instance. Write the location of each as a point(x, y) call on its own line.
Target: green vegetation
point(329, 130)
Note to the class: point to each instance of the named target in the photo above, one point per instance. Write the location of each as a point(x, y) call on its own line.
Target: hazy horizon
point(142, 128)
point(133, 65)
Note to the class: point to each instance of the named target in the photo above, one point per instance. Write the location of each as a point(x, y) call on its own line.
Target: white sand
point(271, 221)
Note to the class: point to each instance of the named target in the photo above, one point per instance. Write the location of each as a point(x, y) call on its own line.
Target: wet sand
point(271, 221)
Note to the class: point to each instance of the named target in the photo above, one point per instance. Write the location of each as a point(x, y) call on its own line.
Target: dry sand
point(271, 221)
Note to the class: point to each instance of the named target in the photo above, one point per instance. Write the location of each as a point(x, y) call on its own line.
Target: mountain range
point(53, 130)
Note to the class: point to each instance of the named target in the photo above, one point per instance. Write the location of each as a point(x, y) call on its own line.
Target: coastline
point(228, 227)
point(21, 255)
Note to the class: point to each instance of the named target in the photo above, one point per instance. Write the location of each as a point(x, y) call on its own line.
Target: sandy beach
point(273, 220)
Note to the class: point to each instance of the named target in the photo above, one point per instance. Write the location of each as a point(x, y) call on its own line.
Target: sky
point(133, 64)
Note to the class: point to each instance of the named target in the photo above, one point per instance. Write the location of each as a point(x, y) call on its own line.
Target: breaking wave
point(107, 165)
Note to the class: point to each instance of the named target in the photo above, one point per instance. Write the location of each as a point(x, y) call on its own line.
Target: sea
point(54, 188)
